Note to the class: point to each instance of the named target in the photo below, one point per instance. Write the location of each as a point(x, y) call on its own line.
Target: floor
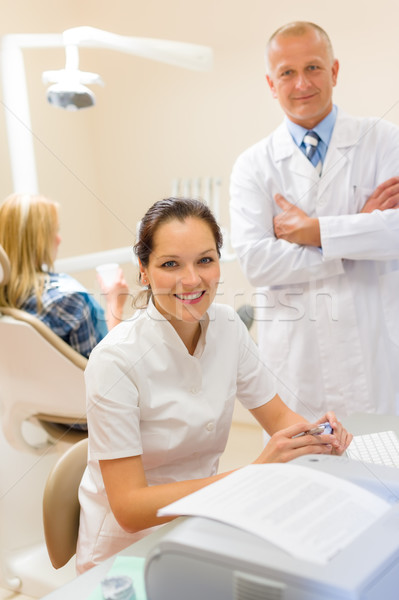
point(244, 445)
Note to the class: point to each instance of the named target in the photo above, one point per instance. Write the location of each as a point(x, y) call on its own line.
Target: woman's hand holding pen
point(296, 440)
point(342, 436)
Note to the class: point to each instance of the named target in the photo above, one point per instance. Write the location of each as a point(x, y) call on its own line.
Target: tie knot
point(311, 139)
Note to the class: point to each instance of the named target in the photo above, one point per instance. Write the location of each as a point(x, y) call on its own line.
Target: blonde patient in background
point(29, 234)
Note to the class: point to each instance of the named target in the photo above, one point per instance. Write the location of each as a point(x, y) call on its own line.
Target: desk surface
point(359, 424)
point(84, 585)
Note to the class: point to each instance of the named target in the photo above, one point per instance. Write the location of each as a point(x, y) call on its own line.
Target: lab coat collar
point(282, 143)
point(284, 148)
point(346, 133)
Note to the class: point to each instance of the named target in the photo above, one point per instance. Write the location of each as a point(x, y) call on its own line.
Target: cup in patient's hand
point(108, 273)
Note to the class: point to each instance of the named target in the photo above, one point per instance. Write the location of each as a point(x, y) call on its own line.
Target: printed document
point(310, 514)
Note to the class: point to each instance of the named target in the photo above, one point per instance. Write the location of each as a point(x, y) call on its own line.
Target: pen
point(323, 428)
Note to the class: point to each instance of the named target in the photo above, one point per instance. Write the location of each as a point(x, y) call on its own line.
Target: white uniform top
point(146, 395)
point(328, 319)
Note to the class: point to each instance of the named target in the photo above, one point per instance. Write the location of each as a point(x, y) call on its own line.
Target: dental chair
point(41, 390)
point(41, 382)
point(61, 498)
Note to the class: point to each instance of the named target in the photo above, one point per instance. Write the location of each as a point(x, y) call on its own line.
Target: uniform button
point(195, 390)
point(210, 426)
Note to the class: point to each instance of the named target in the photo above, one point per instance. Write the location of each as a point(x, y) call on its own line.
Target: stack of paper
point(310, 514)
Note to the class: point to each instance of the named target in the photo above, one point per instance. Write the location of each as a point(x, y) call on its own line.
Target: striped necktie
point(311, 141)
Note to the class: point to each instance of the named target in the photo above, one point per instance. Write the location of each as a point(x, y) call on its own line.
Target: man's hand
point(385, 196)
point(294, 225)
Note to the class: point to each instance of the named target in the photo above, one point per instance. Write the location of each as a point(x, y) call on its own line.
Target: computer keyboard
point(377, 448)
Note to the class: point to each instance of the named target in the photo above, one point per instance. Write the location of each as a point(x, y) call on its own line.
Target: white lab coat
point(328, 320)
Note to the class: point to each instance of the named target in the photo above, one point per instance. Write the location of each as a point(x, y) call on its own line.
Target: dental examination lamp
point(68, 89)
point(69, 85)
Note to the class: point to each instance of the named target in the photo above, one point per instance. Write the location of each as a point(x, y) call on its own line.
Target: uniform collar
point(169, 333)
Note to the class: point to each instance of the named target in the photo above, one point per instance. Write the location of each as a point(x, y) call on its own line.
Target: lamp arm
point(181, 54)
point(17, 117)
point(16, 106)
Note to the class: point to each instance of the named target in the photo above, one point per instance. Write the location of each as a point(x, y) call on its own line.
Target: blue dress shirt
point(323, 129)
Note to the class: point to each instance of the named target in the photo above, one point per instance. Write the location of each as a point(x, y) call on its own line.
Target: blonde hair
point(28, 226)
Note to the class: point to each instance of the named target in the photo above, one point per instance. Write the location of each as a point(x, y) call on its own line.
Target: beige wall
point(154, 122)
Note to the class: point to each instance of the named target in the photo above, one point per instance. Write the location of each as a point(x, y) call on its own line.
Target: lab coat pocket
point(389, 286)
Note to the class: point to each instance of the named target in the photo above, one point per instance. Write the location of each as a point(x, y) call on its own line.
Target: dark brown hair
point(166, 210)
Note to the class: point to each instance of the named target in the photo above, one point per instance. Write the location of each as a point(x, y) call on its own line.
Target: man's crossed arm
point(294, 225)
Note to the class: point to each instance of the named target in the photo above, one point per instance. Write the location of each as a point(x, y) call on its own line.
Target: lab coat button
point(210, 426)
point(195, 390)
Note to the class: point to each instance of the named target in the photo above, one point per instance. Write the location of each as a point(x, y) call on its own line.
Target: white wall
point(153, 122)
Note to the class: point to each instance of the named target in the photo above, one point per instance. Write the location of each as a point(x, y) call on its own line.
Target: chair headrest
point(47, 333)
point(5, 268)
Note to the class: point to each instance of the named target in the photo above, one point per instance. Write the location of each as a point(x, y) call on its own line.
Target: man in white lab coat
point(316, 229)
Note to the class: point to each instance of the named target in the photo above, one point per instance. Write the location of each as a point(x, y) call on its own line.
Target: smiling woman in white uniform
point(161, 389)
